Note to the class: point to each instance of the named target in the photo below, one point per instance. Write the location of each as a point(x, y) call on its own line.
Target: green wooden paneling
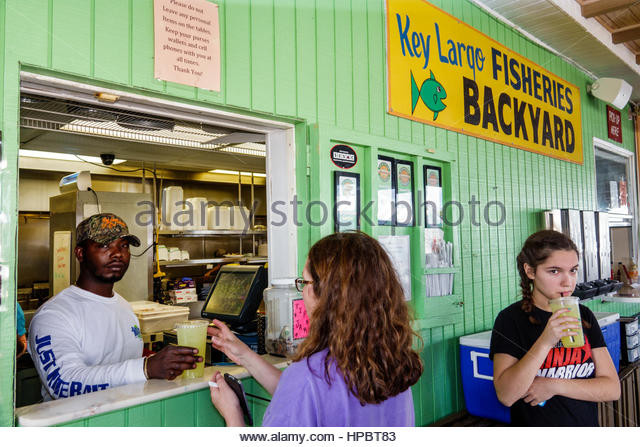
point(377, 75)
point(72, 31)
point(306, 72)
point(111, 41)
point(30, 25)
point(284, 58)
point(206, 416)
point(7, 315)
point(624, 309)
point(179, 411)
point(325, 63)
point(115, 419)
point(148, 415)
point(360, 64)
point(237, 66)
point(345, 59)
point(261, 36)
point(141, 54)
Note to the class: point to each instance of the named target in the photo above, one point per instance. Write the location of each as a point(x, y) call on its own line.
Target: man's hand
point(171, 361)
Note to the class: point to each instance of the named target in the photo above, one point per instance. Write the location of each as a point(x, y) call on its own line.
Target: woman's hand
point(557, 327)
point(226, 402)
point(224, 340)
point(540, 390)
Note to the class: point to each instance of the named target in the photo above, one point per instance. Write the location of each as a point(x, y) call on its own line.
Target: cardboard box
point(179, 296)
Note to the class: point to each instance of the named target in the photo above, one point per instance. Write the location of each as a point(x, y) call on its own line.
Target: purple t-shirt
point(303, 398)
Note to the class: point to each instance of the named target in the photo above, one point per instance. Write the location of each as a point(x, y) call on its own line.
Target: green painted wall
point(322, 62)
point(192, 409)
point(7, 241)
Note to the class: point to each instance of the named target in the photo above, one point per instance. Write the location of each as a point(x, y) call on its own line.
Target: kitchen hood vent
point(74, 117)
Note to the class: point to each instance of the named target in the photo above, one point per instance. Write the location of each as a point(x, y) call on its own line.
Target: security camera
point(107, 159)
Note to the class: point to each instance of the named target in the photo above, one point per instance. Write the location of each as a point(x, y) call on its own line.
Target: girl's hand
point(224, 340)
point(226, 401)
point(540, 390)
point(556, 327)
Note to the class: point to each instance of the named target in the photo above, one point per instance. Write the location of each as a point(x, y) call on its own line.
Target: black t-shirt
point(514, 334)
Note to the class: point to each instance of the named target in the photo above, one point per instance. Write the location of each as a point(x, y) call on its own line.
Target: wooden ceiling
point(620, 17)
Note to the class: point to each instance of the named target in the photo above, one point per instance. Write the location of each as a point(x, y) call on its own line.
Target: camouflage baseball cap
point(104, 228)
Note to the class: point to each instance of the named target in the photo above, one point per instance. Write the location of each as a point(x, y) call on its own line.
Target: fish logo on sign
point(431, 92)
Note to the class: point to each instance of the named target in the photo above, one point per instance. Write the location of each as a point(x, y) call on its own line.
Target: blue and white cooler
point(477, 378)
point(477, 369)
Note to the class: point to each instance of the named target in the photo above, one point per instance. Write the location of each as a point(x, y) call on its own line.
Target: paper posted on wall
point(399, 250)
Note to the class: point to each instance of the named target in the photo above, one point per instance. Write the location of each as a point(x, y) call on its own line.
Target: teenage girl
point(356, 366)
point(544, 383)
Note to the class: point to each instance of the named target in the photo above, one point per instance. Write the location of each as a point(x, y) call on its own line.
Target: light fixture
point(612, 90)
point(61, 156)
point(224, 171)
point(106, 97)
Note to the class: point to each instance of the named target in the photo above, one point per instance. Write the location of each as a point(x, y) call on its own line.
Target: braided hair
point(536, 249)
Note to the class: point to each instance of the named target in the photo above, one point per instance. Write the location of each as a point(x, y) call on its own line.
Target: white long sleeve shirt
point(81, 342)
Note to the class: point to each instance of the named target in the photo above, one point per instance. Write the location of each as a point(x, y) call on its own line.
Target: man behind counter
point(87, 338)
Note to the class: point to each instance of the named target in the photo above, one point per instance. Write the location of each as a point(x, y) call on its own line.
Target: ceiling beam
point(625, 34)
point(598, 7)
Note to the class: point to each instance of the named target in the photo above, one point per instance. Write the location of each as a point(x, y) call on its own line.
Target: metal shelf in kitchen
point(211, 233)
point(190, 262)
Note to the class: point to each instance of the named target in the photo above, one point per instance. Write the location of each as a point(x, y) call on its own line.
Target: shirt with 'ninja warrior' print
point(514, 334)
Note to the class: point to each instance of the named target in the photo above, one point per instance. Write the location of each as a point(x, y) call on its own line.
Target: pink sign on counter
point(187, 42)
point(300, 320)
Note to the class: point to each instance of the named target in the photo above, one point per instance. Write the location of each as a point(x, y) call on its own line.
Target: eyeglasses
point(301, 282)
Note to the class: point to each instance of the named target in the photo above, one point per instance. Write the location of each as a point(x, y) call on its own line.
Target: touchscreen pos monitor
point(236, 294)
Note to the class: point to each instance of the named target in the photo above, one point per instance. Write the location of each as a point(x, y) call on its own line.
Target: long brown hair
point(536, 249)
point(361, 317)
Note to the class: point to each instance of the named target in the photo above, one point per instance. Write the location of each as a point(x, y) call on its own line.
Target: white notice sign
point(61, 260)
point(399, 250)
point(187, 42)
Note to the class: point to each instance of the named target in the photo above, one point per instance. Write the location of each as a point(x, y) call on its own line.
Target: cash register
point(234, 298)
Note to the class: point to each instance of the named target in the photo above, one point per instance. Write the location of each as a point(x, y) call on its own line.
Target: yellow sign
point(445, 73)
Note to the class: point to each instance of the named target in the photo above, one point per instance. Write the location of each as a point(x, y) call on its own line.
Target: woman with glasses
point(356, 366)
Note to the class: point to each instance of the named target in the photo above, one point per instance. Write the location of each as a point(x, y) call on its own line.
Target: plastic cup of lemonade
point(193, 333)
point(571, 303)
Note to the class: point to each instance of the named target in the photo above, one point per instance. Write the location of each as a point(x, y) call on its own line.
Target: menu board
point(61, 261)
point(347, 201)
point(399, 250)
point(433, 195)
point(386, 191)
point(404, 194)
